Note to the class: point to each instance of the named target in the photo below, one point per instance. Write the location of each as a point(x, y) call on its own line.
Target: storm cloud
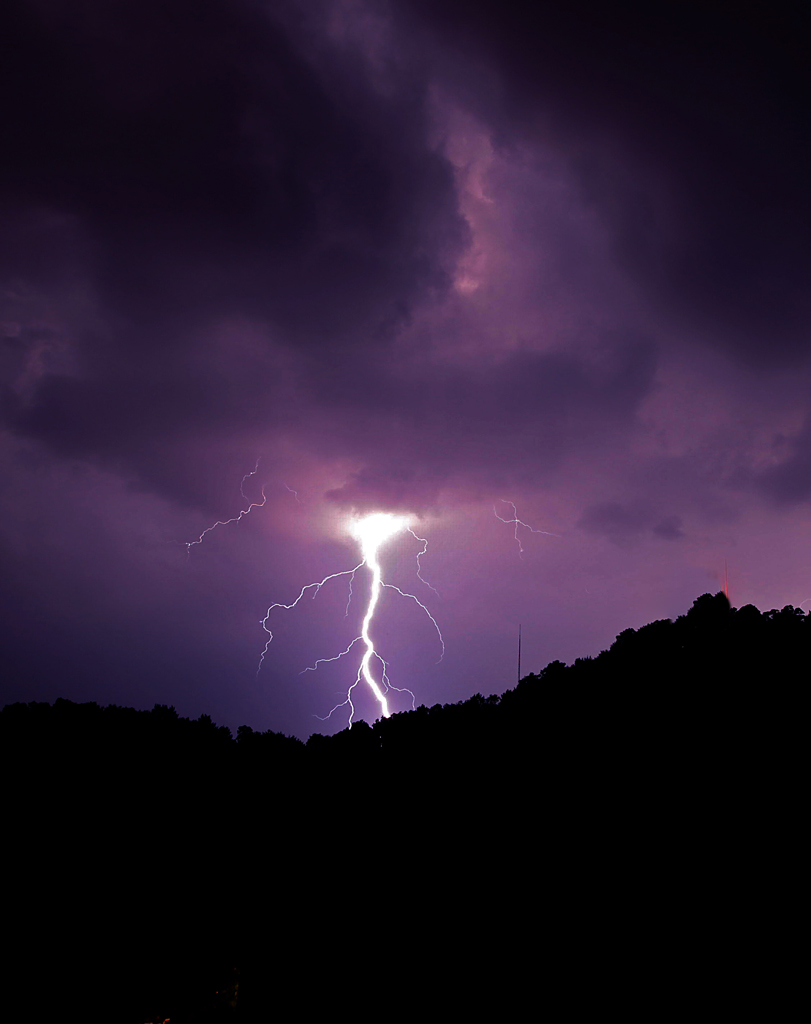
point(425, 257)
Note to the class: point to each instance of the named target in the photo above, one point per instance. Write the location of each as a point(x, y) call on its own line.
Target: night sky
point(429, 257)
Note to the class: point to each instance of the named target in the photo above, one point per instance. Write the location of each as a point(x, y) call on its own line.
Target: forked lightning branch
point(371, 532)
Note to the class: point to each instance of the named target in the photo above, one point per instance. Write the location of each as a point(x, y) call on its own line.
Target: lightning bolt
point(294, 493)
point(519, 522)
point(372, 532)
point(424, 543)
point(252, 505)
point(310, 586)
point(225, 522)
point(402, 593)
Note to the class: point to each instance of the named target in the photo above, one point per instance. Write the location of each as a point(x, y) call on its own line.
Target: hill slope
point(158, 856)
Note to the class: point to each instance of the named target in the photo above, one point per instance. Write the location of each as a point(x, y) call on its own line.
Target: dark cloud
point(687, 127)
point(669, 528)
point(214, 171)
point(618, 523)
point(789, 479)
point(203, 181)
point(520, 417)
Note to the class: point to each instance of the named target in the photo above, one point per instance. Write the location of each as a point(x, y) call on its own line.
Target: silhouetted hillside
point(178, 871)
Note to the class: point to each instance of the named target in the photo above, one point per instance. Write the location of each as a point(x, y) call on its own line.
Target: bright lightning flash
point(371, 532)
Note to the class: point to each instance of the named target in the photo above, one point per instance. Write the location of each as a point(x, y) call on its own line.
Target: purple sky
point(417, 255)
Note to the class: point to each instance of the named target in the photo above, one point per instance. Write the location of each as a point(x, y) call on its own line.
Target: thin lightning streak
point(278, 604)
point(294, 493)
point(519, 522)
point(224, 522)
point(349, 599)
point(390, 685)
point(424, 543)
point(402, 593)
point(324, 718)
point(253, 472)
point(322, 661)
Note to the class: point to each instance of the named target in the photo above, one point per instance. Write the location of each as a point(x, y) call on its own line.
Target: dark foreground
point(617, 835)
